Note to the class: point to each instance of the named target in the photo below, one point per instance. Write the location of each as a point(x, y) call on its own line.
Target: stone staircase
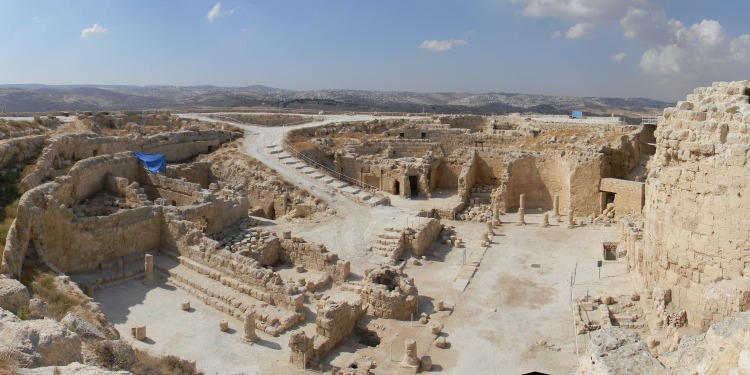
point(388, 244)
point(346, 189)
point(224, 293)
point(112, 272)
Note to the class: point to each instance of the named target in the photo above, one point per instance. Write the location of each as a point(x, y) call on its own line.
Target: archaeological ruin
point(376, 243)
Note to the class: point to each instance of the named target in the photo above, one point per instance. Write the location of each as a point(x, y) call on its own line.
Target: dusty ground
point(513, 316)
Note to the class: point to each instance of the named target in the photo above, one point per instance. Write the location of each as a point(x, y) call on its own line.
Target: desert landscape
point(280, 242)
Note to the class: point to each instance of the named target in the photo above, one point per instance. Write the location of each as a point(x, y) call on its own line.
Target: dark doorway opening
point(210, 149)
point(747, 92)
point(396, 187)
point(424, 135)
point(610, 250)
point(414, 185)
point(609, 198)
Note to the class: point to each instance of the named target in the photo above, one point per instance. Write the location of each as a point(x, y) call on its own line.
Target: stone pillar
point(186, 305)
point(250, 335)
point(556, 206)
point(410, 357)
point(571, 222)
point(440, 305)
point(490, 231)
point(496, 215)
point(138, 332)
point(149, 279)
point(521, 210)
point(223, 325)
point(545, 220)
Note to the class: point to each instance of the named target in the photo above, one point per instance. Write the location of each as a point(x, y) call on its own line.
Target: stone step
point(363, 195)
point(339, 185)
point(282, 157)
point(351, 190)
point(317, 176)
point(291, 161)
point(328, 179)
point(224, 298)
point(308, 170)
point(389, 236)
point(300, 166)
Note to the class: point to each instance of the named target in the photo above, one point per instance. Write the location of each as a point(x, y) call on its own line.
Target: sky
point(658, 49)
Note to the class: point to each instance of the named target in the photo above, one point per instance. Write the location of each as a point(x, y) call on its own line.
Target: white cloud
point(216, 12)
point(93, 30)
point(619, 57)
point(556, 34)
point(442, 45)
point(579, 30)
point(577, 10)
point(703, 50)
point(703, 46)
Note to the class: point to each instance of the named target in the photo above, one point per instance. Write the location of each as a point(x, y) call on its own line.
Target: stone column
point(496, 215)
point(410, 357)
point(250, 335)
point(571, 222)
point(521, 210)
point(545, 220)
point(490, 230)
point(149, 279)
point(556, 206)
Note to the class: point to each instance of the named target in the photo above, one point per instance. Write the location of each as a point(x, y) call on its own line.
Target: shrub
point(58, 301)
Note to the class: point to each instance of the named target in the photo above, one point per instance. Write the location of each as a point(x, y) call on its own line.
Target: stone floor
point(514, 315)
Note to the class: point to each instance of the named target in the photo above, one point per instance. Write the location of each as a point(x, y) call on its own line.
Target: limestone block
point(223, 325)
point(185, 305)
point(410, 357)
point(138, 332)
point(13, 295)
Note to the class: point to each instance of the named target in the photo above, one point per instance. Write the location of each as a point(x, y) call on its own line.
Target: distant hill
point(43, 98)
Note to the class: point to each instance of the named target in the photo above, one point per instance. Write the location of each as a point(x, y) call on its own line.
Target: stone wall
point(697, 230)
point(422, 237)
point(314, 257)
point(335, 321)
point(629, 195)
point(47, 222)
point(62, 151)
point(266, 191)
point(20, 150)
point(389, 293)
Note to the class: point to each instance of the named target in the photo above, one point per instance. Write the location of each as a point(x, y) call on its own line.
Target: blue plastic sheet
point(153, 162)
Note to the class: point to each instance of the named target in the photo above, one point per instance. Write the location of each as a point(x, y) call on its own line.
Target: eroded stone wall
point(697, 233)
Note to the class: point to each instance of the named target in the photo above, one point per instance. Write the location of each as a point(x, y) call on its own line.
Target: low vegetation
point(10, 193)
point(116, 355)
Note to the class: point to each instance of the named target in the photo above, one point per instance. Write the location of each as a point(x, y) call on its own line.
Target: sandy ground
point(518, 293)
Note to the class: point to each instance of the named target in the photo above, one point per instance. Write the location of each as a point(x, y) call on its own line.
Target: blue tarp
point(154, 162)
point(577, 114)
